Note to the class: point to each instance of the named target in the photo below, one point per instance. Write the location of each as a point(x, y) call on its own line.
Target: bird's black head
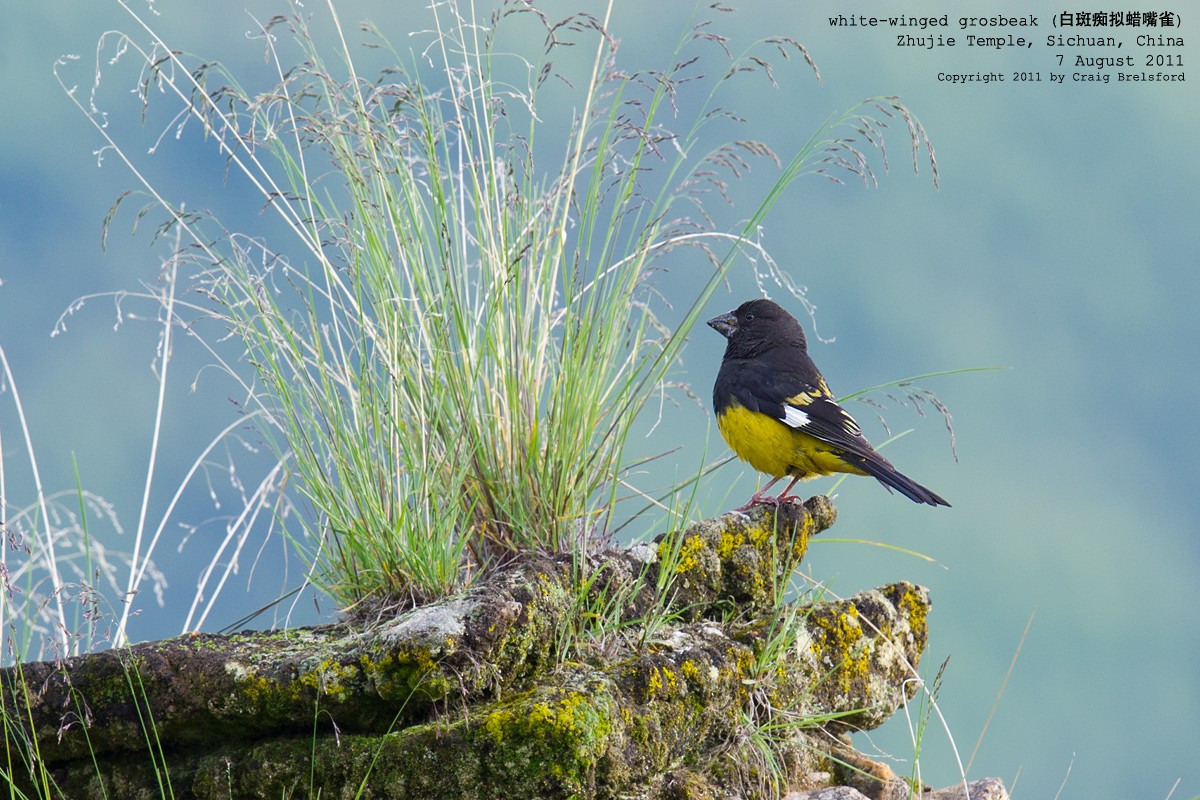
point(757, 326)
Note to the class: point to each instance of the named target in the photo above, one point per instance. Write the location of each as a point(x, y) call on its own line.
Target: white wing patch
point(794, 417)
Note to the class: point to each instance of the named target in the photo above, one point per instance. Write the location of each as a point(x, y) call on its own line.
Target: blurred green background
point(1064, 243)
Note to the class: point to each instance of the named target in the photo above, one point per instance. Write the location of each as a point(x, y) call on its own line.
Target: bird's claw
point(765, 500)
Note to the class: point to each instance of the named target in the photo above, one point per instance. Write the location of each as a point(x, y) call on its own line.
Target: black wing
point(802, 400)
point(799, 398)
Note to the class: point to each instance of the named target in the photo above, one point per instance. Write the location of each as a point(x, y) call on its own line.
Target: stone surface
point(984, 789)
point(828, 793)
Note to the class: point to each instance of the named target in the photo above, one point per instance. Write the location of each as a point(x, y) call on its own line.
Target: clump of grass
point(453, 340)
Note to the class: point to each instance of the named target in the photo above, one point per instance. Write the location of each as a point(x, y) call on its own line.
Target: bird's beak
point(726, 324)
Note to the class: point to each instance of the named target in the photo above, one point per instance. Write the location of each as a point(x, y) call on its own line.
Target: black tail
point(886, 474)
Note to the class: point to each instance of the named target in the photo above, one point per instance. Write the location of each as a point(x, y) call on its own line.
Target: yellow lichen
point(758, 535)
point(915, 609)
point(688, 550)
point(654, 683)
point(841, 645)
point(331, 679)
point(660, 679)
point(730, 541)
point(669, 678)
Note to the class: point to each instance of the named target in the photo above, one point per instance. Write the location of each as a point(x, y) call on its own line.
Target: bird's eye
point(749, 317)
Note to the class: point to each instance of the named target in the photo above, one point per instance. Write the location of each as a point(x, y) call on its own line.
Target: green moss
point(107, 687)
point(567, 718)
point(261, 696)
point(331, 680)
point(558, 738)
point(405, 672)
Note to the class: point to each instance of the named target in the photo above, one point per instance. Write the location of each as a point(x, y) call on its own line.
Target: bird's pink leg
point(783, 496)
point(760, 497)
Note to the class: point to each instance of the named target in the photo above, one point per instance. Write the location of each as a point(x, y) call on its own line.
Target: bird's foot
point(760, 499)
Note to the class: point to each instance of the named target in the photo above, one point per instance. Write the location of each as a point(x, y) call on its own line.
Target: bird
point(776, 412)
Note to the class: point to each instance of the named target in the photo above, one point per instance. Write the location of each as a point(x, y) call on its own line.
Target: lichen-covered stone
point(205, 688)
point(861, 654)
point(472, 697)
point(738, 561)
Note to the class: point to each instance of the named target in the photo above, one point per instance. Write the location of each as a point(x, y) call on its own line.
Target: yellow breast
point(772, 447)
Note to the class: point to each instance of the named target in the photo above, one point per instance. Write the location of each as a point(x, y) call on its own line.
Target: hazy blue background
point(1063, 243)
